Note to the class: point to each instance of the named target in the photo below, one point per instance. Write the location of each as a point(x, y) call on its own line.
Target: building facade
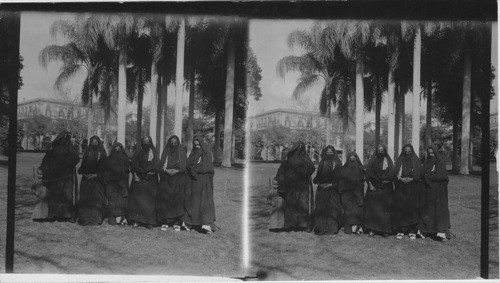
point(57, 110)
point(295, 121)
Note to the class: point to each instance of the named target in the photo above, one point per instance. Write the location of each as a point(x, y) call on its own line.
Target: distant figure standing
point(379, 196)
point(115, 176)
point(171, 193)
point(58, 170)
point(351, 187)
point(200, 207)
point(277, 213)
point(294, 185)
point(41, 209)
point(435, 216)
point(407, 194)
point(141, 199)
point(328, 208)
point(92, 201)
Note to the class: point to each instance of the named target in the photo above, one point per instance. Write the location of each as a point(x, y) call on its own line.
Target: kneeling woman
point(328, 209)
point(141, 200)
point(92, 200)
point(435, 216)
point(351, 187)
point(115, 175)
point(378, 199)
point(200, 207)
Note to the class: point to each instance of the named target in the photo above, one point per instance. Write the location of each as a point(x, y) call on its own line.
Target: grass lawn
point(71, 248)
point(300, 255)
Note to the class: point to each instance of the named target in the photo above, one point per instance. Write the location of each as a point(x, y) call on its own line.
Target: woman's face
point(94, 142)
point(197, 144)
point(117, 149)
point(329, 152)
point(352, 158)
point(430, 152)
point(146, 141)
point(380, 150)
point(174, 142)
point(407, 150)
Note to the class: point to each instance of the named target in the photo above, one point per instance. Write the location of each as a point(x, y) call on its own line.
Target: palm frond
point(304, 82)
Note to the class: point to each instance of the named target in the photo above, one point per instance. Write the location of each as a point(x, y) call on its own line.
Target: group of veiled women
point(409, 197)
point(174, 191)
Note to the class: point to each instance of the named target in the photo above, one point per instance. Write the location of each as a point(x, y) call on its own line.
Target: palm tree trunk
point(216, 148)
point(391, 125)
point(90, 118)
point(229, 101)
point(454, 154)
point(328, 125)
point(190, 112)
point(402, 119)
point(122, 96)
point(165, 110)
point(159, 113)
point(378, 106)
point(179, 79)
point(417, 49)
point(428, 122)
point(466, 107)
point(359, 109)
point(153, 97)
point(140, 97)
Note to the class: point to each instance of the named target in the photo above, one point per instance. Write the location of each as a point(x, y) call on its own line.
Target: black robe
point(58, 175)
point(328, 208)
point(351, 188)
point(294, 184)
point(435, 216)
point(115, 177)
point(379, 196)
point(92, 201)
point(407, 197)
point(170, 197)
point(141, 199)
point(199, 202)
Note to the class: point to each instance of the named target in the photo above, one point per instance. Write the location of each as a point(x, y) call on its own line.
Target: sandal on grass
point(412, 236)
point(400, 236)
point(164, 227)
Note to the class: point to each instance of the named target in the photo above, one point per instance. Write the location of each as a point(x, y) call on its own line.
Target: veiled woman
point(351, 188)
point(92, 200)
point(172, 189)
point(328, 209)
point(115, 174)
point(141, 199)
point(58, 171)
point(378, 199)
point(294, 185)
point(407, 194)
point(435, 216)
point(199, 203)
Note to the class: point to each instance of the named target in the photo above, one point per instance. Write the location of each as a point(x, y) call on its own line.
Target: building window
point(61, 113)
point(300, 124)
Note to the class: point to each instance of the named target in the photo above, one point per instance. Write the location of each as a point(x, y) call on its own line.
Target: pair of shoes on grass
point(399, 236)
point(412, 236)
point(442, 237)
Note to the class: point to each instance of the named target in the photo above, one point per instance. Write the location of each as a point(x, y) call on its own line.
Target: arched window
point(300, 124)
point(61, 113)
point(48, 113)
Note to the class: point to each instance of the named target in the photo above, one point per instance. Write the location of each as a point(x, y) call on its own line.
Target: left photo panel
point(130, 143)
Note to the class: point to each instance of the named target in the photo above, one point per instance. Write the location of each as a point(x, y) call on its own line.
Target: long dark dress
point(199, 202)
point(58, 171)
point(115, 177)
point(435, 216)
point(407, 197)
point(92, 201)
point(328, 208)
point(142, 195)
point(351, 188)
point(378, 199)
point(294, 184)
point(171, 192)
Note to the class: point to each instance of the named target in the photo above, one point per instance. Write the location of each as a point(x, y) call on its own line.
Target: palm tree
point(179, 77)
point(83, 51)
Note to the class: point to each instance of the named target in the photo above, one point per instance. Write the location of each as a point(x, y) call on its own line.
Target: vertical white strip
point(246, 203)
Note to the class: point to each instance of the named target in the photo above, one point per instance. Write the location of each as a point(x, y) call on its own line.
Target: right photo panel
point(364, 148)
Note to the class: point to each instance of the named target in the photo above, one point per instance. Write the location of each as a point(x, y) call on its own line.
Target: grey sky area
point(268, 39)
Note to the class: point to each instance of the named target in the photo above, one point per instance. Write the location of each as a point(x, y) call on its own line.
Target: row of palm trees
point(122, 53)
point(363, 62)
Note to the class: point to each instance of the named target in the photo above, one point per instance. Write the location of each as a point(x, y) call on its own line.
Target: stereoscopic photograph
point(264, 141)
